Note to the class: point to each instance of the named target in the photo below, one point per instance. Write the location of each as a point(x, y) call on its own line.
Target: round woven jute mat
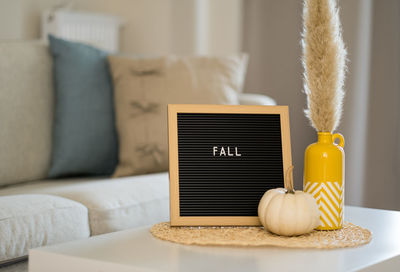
point(349, 236)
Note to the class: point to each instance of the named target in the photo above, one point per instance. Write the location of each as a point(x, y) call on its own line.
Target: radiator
point(98, 30)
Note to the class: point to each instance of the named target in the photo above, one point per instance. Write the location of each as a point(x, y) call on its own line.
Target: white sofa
point(35, 211)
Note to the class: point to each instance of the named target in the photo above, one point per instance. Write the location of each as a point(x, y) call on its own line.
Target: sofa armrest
point(255, 99)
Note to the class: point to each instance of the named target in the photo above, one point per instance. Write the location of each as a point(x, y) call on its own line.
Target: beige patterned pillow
point(144, 87)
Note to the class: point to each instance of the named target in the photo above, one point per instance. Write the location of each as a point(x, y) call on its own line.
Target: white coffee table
point(137, 250)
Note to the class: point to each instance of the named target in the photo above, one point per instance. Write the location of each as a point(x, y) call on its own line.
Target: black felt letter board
point(227, 162)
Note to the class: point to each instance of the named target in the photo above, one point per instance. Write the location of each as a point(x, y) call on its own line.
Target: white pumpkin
point(288, 212)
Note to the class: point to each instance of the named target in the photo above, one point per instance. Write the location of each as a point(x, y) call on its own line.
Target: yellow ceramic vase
point(324, 178)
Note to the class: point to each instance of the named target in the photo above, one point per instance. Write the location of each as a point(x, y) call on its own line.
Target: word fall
point(225, 151)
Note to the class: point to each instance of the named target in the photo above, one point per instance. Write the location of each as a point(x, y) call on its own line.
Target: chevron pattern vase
point(324, 178)
point(330, 199)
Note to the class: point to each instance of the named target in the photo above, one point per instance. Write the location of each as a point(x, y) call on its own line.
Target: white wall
point(11, 22)
point(151, 26)
point(356, 19)
point(272, 37)
point(383, 142)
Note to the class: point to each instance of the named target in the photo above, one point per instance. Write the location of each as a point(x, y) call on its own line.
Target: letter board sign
point(223, 159)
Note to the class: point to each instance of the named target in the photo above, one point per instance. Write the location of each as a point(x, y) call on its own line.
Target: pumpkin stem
point(289, 180)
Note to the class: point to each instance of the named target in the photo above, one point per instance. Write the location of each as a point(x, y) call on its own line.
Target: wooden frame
point(173, 110)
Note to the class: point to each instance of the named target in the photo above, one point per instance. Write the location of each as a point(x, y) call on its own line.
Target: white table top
point(138, 250)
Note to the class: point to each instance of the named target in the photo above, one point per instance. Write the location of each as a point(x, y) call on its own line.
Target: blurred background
point(270, 32)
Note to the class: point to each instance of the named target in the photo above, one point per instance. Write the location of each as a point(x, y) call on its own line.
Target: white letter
point(229, 152)
point(215, 148)
point(222, 152)
point(237, 154)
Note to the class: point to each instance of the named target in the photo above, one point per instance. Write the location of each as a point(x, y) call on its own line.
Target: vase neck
point(325, 137)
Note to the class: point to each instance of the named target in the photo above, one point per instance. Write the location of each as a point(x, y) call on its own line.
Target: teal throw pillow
point(84, 134)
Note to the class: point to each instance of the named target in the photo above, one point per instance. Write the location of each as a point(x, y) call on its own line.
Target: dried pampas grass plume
point(324, 62)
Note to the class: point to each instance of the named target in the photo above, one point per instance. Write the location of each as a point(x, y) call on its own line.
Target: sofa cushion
point(85, 140)
point(29, 221)
point(113, 204)
point(26, 111)
point(144, 87)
